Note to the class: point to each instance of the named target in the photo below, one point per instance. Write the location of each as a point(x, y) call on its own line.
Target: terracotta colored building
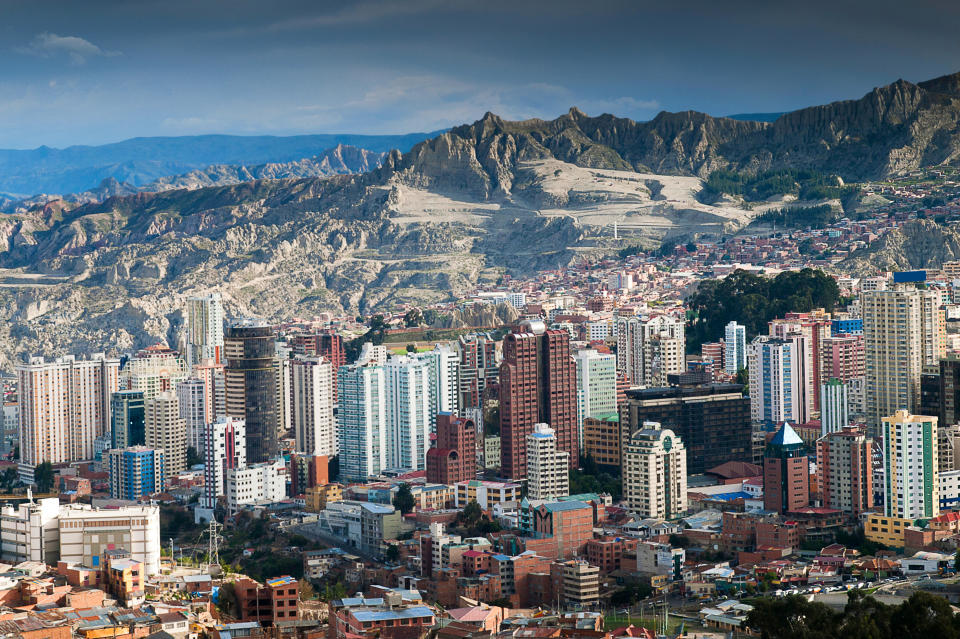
point(537, 386)
point(454, 456)
point(275, 600)
point(307, 471)
point(569, 523)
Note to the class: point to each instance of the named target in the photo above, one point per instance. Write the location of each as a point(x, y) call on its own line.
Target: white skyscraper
point(285, 408)
point(834, 406)
point(548, 470)
point(64, 406)
point(444, 389)
point(226, 448)
point(204, 319)
point(912, 465)
point(407, 384)
point(774, 380)
point(596, 386)
point(313, 422)
point(362, 417)
point(165, 429)
point(650, 348)
point(735, 345)
point(192, 399)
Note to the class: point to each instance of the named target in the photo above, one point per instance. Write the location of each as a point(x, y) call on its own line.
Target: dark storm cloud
point(98, 71)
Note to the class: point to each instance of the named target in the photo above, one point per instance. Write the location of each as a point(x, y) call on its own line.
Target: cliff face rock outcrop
point(919, 244)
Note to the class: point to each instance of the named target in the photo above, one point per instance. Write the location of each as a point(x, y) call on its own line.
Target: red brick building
point(537, 385)
point(275, 600)
point(454, 456)
point(569, 523)
point(607, 552)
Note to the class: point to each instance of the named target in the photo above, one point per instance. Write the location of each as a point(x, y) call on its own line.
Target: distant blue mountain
point(756, 117)
point(139, 161)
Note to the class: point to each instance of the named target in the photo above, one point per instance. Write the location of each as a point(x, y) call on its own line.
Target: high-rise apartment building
point(735, 348)
point(912, 464)
point(192, 399)
point(214, 388)
point(806, 360)
point(64, 406)
point(155, 369)
point(713, 353)
point(166, 430)
point(842, 357)
point(126, 419)
point(845, 471)
point(251, 386)
point(949, 410)
point(313, 422)
point(786, 472)
point(409, 415)
point(325, 343)
point(478, 367)
point(548, 469)
point(204, 318)
point(537, 386)
point(903, 331)
point(596, 386)
point(362, 421)
point(454, 457)
point(650, 348)
point(775, 381)
point(834, 406)
point(712, 420)
point(655, 473)
point(135, 472)
point(282, 363)
point(225, 447)
point(444, 387)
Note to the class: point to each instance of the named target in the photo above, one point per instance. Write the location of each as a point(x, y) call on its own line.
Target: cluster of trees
point(594, 478)
point(800, 217)
point(753, 301)
point(753, 187)
point(378, 327)
point(475, 524)
point(922, 615)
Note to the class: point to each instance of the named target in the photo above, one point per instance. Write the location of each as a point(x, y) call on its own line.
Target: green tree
point(9, 480)
point(403, 500)
point(393, 553)
point(470, 515)
point(413, 318)
point(192, 457)
point(307, 590)
point(792, 617)
point(43, 477)
point(227, 600)
point(691, 247)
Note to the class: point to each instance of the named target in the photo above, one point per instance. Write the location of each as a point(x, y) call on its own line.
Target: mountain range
point(454, 212)
point(139, 161)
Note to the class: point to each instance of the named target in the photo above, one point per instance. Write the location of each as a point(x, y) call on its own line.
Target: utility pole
point(213, 543)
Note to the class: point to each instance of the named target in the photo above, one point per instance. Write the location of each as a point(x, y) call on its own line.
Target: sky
point(99, 71)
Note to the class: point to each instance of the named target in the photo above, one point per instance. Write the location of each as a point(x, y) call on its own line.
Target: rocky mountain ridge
point(455, 212)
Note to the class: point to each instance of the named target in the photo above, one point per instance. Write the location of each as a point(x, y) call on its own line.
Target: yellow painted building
point(319, 496)
point(886, 530)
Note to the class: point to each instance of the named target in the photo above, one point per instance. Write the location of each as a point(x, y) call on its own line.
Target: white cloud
point(75, 48)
